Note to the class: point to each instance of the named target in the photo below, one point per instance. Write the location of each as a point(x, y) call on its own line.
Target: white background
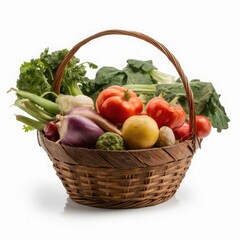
point(204, 36)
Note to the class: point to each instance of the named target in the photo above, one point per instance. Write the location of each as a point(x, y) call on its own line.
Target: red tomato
point(203, 126)
point(117, 103)
point(182, 133)
point(165, 114)
point(203, 129)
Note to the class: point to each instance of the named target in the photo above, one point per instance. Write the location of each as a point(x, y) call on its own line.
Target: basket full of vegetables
point(124, 139)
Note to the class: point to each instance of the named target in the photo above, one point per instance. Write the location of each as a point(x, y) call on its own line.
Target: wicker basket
point(128, 178)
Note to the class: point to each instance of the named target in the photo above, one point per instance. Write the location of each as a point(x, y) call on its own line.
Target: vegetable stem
point(33, 110)
point(30, 122)
point(52, 93)
point(142, 88)
point(75, 90)
point(174, 101)
point(48, 105)
point(162, 77)
point(126, 95)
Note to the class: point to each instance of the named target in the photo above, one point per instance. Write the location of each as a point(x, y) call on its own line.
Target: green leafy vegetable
point(206, 100)
point(32, 77)
point(37, 75)
point(35, 83)
point(146, 73)
point(36, 78)
point(136, 72)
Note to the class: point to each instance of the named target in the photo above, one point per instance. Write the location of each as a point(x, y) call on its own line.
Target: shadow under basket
point(119, 179)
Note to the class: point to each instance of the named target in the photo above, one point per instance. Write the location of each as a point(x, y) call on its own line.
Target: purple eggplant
point(96, 118)
point(78, 131)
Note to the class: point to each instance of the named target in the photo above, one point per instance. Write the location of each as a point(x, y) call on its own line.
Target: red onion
point(96, 118)
point(78, 131)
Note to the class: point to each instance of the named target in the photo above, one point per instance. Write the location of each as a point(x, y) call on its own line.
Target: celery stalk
point(48, 105)
point(30, 122)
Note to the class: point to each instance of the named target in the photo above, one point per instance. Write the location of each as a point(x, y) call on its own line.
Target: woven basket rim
point(117, 159)
point(188, 142)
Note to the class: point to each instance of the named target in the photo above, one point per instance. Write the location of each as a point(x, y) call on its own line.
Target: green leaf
point(92, 65)
point(145, 66)
point(206, 100)
point(110, 75)
point(27, 128)
point(137, 77)
point(32, 78)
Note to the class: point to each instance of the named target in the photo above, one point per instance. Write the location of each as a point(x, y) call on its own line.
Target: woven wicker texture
point(122, 179)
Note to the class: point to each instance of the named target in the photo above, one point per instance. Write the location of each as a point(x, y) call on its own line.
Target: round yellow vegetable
point(140, 131)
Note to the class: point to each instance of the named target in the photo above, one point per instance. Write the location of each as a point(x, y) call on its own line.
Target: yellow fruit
point(140, 131)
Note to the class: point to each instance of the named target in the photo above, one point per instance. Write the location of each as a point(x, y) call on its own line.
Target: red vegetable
point(117, 103)
point(96, 118)
point(166, 114)
point(182, 133)
point(51, 132)
point(203, 126)
point(78, 131)
point(203, 129)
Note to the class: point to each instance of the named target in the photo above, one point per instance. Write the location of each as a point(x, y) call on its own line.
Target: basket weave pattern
point(127, 178)
point(122, 188)
point(121, 179)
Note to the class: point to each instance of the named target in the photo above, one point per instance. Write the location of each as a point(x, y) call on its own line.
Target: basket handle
point(60, 71)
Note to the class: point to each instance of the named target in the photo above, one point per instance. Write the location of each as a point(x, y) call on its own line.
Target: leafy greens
point(37, 75)
point(136, 72)
point(206, 100)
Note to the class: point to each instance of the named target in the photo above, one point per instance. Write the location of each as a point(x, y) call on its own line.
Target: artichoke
point(110, 141)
